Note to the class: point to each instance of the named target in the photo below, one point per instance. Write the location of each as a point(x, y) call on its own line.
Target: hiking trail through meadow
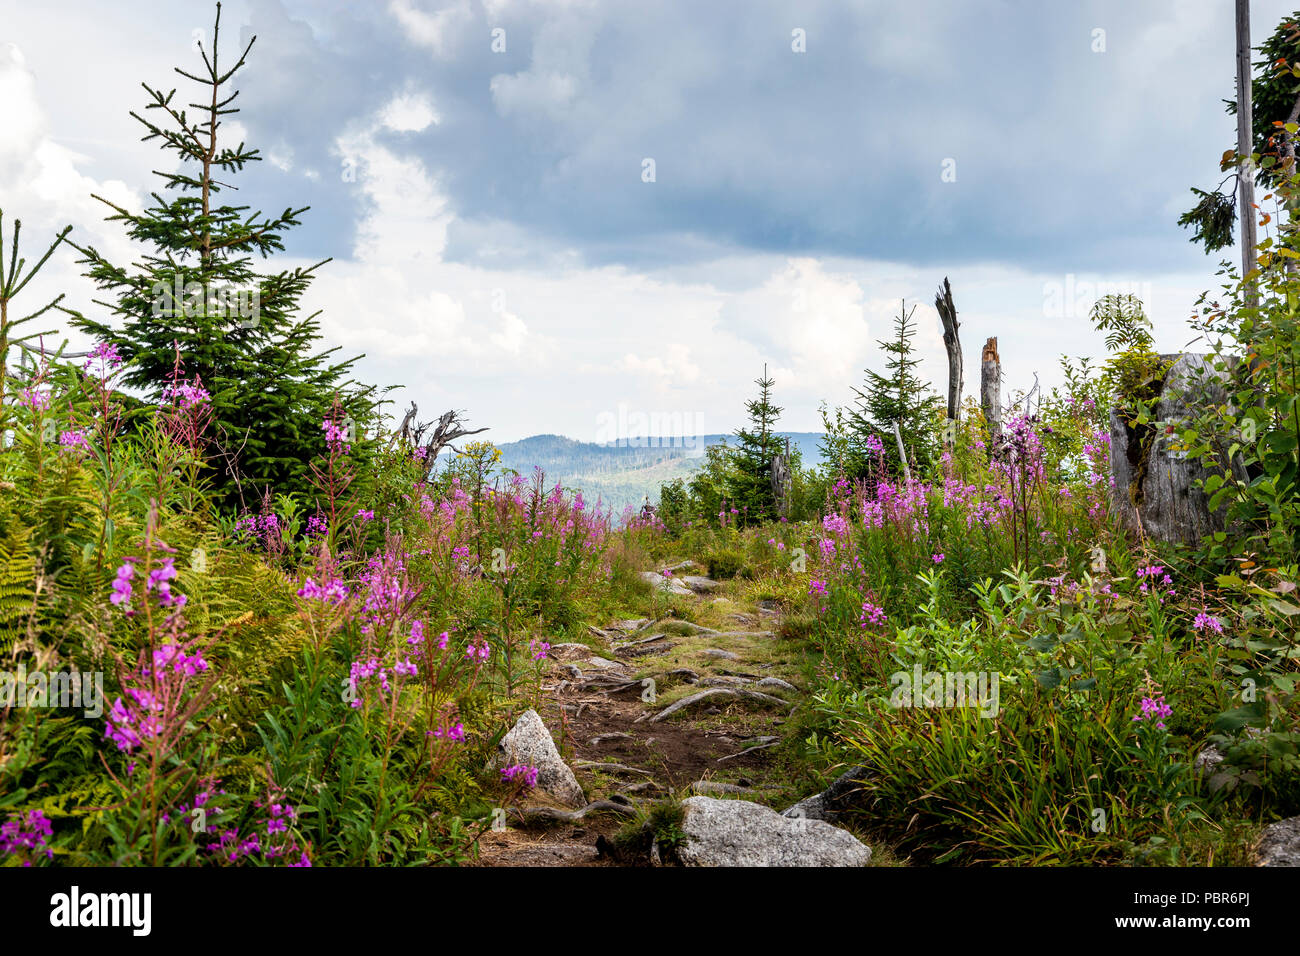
point(655, 708)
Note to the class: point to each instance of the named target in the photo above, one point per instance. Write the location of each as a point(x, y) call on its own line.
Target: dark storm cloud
point(1064, 157)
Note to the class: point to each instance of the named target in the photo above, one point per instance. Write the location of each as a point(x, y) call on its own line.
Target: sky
point(559, 214)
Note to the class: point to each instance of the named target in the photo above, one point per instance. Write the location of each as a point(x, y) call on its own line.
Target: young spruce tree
point(239, 331)
point(899, 396)
point(755, 448)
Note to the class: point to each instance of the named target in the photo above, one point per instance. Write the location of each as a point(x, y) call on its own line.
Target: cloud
point(811, 323)
point(42, 184)
point(409, 112)
point(672, 368)
point(430, 30)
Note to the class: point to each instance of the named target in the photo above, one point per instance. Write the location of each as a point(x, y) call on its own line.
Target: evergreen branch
point(191, 76)
point(13, 253)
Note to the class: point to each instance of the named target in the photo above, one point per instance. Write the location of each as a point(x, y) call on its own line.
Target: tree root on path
point(534, 816)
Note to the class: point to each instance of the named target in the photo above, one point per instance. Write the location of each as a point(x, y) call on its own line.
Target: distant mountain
point(628, 472)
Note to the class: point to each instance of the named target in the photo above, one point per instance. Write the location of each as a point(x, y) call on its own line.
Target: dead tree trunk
point(1245, 122)
point(450, 427)
point(781, 481)
point(951, 342)
point(991, 389)
point(1153, 483)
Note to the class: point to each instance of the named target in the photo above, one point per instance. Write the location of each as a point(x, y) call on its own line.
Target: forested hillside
point(627, 472)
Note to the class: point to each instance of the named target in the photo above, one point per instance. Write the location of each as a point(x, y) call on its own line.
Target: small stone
point(715, 787)
point(777, 684)
point(604, 738)
point(840, 796)
point(699, 584)
point(723, 682)
point(1279, 845)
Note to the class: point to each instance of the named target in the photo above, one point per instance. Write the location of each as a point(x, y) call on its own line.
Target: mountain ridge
point(628, 471)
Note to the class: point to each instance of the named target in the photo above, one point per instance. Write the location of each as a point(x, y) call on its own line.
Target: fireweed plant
point(320, 679)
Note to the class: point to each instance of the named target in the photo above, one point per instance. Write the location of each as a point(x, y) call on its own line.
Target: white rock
point(741, 833)
point(530, 743)
point(668, 584)
point(1279, 845)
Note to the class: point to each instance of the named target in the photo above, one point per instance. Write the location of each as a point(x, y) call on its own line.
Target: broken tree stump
point(991, 389)
point(1153, 483)
point(781, 481)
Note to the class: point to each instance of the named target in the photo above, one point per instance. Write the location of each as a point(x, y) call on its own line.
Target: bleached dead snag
point(1154, 484)
point(1245, 126)
point(693, 700)
point(991, 389)
point(450, 427)
point(952, 344)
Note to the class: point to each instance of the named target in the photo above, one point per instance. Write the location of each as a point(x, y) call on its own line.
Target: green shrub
point(725, 563)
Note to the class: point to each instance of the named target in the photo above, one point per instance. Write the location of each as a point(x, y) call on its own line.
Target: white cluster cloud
point(673, 367)
point(410, 112)
point(430, 30)
point(812, 324)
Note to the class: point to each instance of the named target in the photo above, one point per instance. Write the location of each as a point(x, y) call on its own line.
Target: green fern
point(17, 584)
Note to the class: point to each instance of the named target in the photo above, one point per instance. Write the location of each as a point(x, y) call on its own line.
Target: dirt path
point(732, 682)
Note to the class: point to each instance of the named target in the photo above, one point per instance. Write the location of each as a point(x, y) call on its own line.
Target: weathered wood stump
point(1154, 484)
point(781, 481)
point(991, 389)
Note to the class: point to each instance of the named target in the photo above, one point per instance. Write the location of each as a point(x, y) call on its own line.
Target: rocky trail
point(662, 712)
